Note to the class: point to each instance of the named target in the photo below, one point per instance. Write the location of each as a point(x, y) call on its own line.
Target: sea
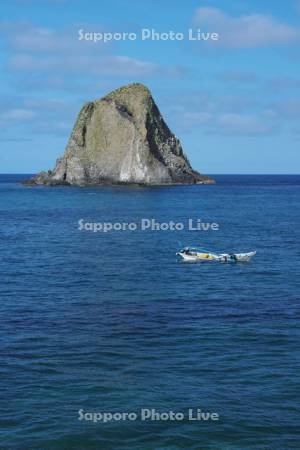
point(106, 336)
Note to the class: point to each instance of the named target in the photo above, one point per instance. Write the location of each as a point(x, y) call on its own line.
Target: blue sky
point(234, 103)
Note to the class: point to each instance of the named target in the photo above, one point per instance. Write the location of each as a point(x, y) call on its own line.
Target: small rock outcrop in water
point(121, 138)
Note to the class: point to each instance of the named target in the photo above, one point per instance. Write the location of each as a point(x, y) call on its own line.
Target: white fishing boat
point(194, 254)
point(236, 257)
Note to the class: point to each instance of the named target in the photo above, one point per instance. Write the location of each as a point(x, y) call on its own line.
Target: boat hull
point(237, 257)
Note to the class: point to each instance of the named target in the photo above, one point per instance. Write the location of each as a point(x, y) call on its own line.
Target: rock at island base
point(121, 139)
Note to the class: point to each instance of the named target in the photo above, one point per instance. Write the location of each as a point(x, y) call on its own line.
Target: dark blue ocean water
point(114, 322)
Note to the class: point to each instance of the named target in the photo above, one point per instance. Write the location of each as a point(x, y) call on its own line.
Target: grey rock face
point(122, 138)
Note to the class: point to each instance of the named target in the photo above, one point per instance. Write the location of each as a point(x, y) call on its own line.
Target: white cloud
point(237, 77)
point(52, 52)
point(251, 79)
point(243, 124)
point(35, 115)
point(247, 31)
point(40, 39)
point(287, 109)
point(223, 115)
point(109, 65)
point(195, 118)
point(17, 115)
point(234, 124)
point(249, 114)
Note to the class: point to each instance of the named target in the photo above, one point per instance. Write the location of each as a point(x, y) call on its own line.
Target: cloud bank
point(247, 31)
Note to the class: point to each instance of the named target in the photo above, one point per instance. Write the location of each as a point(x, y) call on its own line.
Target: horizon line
point(206, 174)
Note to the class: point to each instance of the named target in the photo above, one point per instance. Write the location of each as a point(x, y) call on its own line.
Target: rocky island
point(121, 138)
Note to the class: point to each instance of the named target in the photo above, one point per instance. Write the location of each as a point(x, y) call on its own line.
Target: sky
point(234, 103)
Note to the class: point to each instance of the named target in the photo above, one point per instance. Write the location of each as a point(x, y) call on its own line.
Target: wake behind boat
point(194, 254)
